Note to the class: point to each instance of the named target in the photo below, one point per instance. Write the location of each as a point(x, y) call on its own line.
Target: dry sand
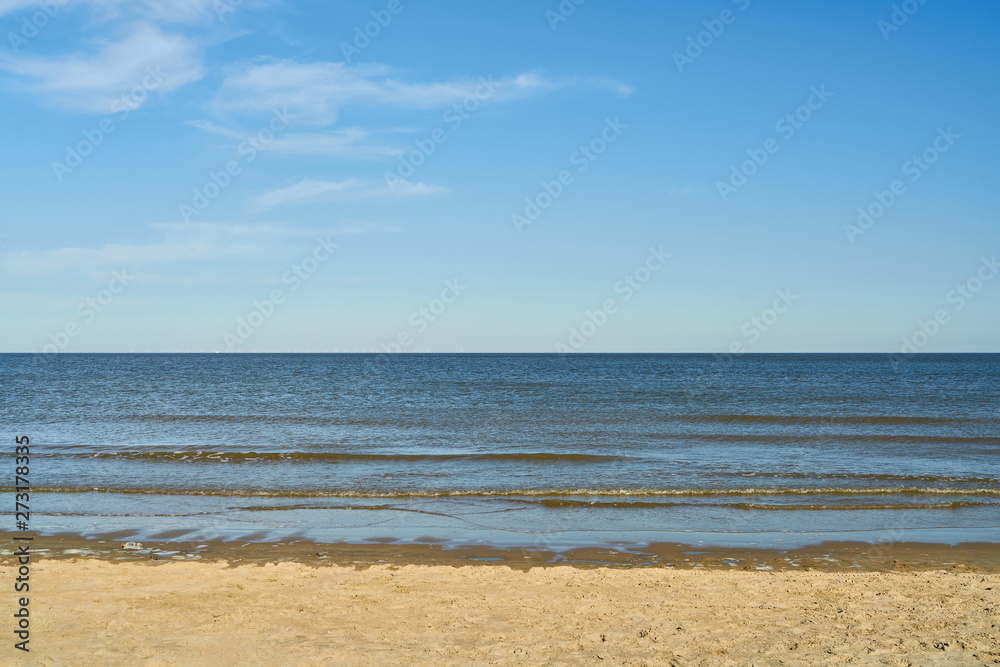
point(96, 612)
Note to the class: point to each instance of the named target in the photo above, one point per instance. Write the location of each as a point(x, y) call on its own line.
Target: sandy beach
point(93, 611)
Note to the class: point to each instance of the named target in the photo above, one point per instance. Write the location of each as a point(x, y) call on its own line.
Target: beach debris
point(131, 545)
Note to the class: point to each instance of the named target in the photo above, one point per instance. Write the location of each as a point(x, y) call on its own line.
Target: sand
point(89, 611)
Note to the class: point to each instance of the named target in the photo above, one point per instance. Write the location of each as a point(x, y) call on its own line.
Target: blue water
point(511, 449)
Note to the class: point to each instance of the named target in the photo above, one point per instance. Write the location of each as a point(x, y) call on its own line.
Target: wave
point(242, 419)
point(898, 420)
point(823, 419)
point(528, 493)
point(862, 477)
point(216, 456)
point(559, 503)
point(840, 438)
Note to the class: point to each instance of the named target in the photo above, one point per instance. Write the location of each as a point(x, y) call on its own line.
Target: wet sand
point(223, 603)
point(828, 556)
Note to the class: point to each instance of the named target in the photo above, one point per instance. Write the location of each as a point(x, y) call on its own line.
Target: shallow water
point(511, 449)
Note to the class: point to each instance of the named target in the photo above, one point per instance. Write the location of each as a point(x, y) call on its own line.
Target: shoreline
point(829, 556)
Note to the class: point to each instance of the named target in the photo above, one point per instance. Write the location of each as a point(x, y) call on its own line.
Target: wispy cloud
point(351, 143)
point(7, 6)
point(175, 11)
point(404, 188)
point(170, 242)
point(352, 228)
point(680, 190)
point(116, 255)
point(94, 81)
point(255, 229)
point(312, 190)
point(304, 190)
point(316, 91)
point(181, 243)
point(161, 11)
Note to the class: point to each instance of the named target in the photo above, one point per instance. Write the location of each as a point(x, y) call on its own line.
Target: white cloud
point(175, 242)
point(308, 189)
point(369, 228)
point(146, 58)
point(206, 229)
point(304, 190)
point(680, 191)
point(316, 91)
point(404, 188)
point(163, 11)
point(7, 6)
point(177, 11)
point(347, 143)
point(115, 255)
point(350, 143)
point(178, 242)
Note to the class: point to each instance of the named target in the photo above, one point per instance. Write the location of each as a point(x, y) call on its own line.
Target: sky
point(527, 176)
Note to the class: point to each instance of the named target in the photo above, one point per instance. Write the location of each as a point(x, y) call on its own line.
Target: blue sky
point(207, 175)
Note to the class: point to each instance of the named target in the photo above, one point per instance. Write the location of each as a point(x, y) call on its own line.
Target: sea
point(541, 451)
